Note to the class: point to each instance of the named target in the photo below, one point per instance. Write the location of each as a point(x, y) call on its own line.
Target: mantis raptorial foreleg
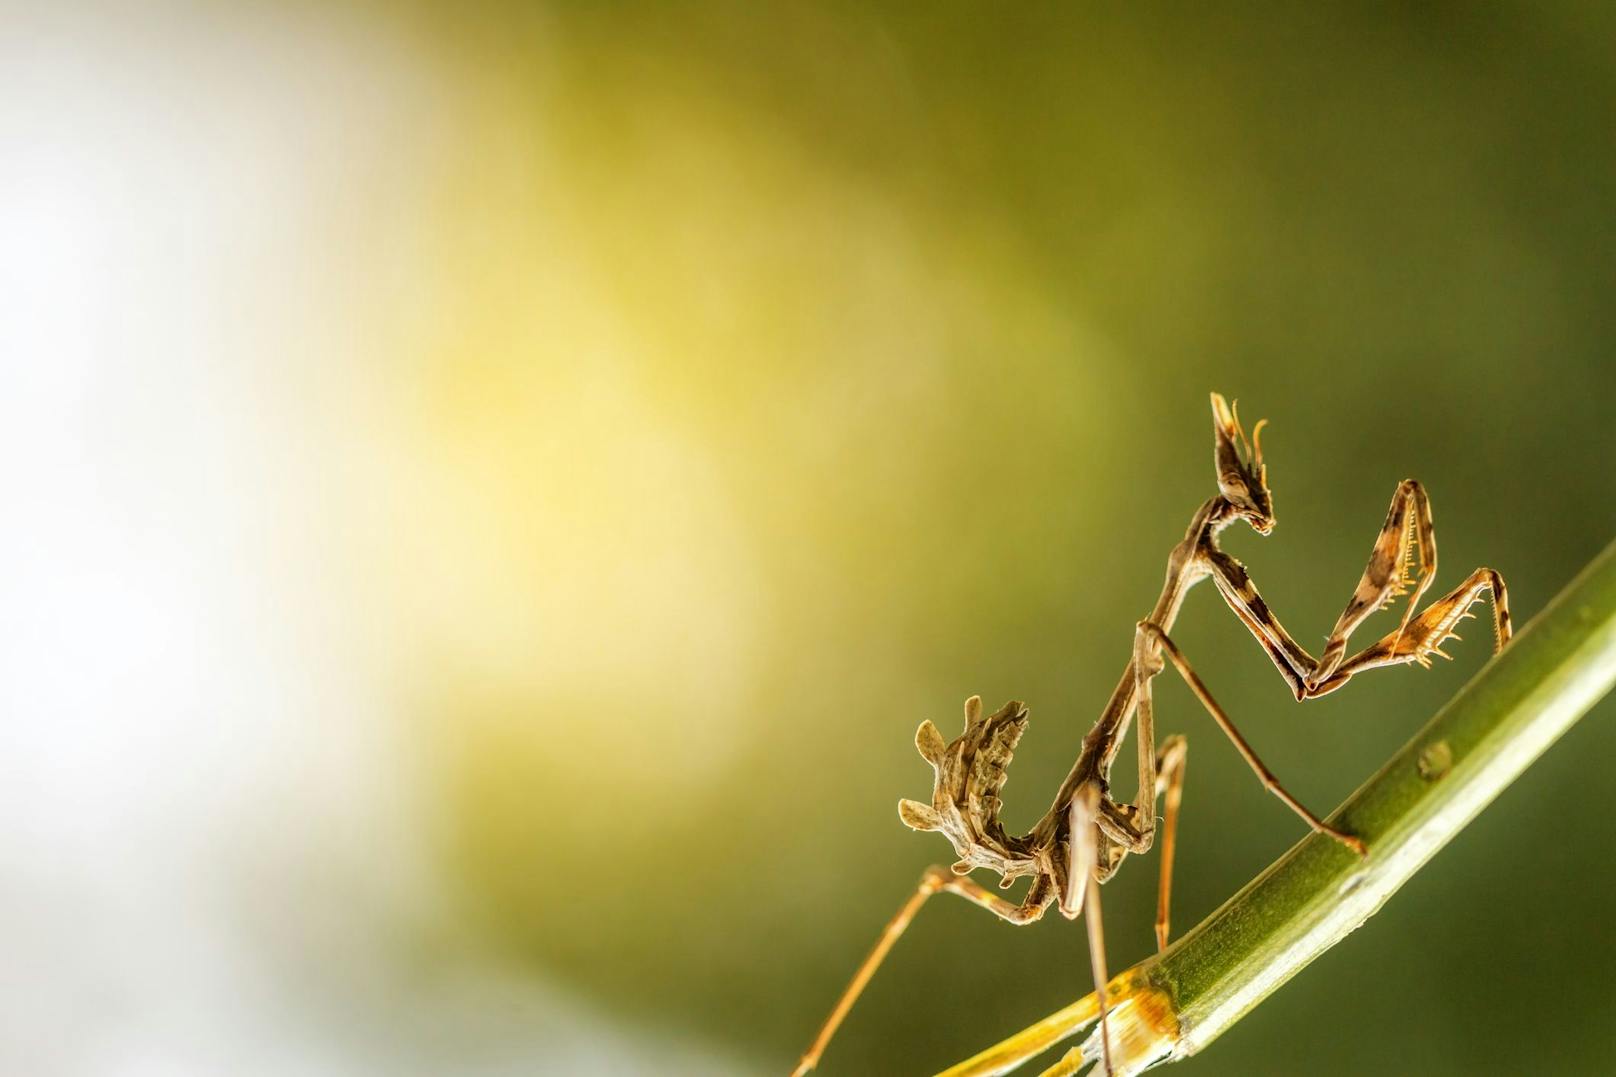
point(1408, 532)
point(1240, 594)
point(1425, 634)
point(1407, 529)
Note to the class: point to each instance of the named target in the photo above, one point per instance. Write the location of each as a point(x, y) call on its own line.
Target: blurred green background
point(702, 397)
point(926, 305)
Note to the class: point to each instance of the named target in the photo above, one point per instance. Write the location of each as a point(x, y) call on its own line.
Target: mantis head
point(1242, 476)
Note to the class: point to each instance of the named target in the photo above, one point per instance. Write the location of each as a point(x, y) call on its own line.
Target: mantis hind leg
point(935, 880)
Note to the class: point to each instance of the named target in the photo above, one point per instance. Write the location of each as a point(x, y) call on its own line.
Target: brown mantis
point(1084, 837)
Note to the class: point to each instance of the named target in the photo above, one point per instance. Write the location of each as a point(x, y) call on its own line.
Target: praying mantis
point(1086, 834)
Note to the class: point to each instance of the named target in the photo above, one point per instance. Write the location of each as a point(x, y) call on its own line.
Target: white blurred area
point(210, 273)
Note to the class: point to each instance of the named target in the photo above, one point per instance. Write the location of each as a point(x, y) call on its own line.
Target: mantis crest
point(1083, 838)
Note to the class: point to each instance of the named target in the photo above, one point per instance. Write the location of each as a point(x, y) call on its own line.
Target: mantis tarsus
point(1084, 837)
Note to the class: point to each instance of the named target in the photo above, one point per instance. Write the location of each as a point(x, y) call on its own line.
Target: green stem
point(1316, 894)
